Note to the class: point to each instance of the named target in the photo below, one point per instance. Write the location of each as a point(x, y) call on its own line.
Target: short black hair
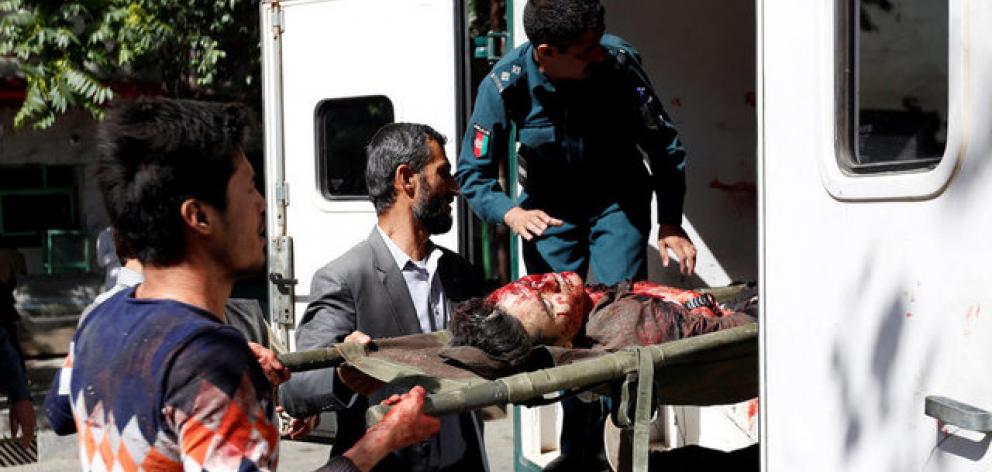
point(157, 153)
point(121, 247)
point(481, 324)
point(391, 146)
point(560, 23)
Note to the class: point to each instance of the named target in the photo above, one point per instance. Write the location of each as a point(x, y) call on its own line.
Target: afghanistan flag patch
point(480, 145)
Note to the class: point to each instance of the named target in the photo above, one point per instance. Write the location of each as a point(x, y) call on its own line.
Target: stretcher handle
point(493, 392)
point(311, 360)
point(520, 387)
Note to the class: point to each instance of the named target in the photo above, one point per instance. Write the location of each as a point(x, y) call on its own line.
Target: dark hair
point(483, 325)
point(392, 145)
point(560, 23)
point(157, 153)
point(121, 247)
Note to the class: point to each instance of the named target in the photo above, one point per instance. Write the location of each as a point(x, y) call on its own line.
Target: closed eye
point(547, 307)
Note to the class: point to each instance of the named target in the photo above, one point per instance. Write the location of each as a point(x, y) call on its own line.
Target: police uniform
point(579, 160)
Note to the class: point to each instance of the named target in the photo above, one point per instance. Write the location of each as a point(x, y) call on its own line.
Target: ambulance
point(840, 156)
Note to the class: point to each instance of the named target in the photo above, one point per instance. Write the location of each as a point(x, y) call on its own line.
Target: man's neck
point(411, 237)
point(191, 285)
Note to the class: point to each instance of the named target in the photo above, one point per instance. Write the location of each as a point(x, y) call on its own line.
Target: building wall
point(71, 141)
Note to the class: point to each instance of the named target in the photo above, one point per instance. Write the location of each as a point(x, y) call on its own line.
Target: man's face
point(436, 191)
point(576, 61)
point(241, 242)
point(551, 306)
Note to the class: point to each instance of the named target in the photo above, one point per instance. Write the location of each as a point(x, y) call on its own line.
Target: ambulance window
point(344, 128)
point(897, 82)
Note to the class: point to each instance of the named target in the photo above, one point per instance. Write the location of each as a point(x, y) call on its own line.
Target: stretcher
point(710, 369)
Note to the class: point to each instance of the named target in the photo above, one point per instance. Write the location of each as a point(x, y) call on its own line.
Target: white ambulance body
point(809, 172)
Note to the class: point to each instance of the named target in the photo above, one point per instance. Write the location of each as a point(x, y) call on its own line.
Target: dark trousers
point(614, 244)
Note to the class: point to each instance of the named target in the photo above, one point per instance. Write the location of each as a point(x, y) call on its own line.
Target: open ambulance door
point(334, 72)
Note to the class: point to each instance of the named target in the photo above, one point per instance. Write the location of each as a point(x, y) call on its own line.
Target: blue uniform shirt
point(580, 141)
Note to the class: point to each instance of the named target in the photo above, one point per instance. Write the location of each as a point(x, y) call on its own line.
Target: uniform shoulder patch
point(505, 75)
point(616, 45)
point(500, 85)
point(480, 142)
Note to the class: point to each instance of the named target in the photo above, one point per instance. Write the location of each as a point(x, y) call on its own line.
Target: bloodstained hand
point(274, 370)
point(406, 423)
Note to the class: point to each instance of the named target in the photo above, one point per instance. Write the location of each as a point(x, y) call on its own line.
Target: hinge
point(282, 193)
point(277, 28)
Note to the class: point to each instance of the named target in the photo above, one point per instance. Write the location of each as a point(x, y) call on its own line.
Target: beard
point(430, 210)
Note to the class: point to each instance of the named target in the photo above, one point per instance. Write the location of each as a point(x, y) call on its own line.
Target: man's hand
point(529, 223)
point(405, 424)
point(353, 378)
point(299, 427)
point(358, 337)
point(22, 418)
point(274, 370)
point(671, 236)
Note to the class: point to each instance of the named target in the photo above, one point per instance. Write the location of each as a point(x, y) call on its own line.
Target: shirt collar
point(129, 277)
point(401, 258)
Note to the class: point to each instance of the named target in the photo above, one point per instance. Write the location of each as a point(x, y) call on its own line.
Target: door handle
point(959, 414)
point(282, 283)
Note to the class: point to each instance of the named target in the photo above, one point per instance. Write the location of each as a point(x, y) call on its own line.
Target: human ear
point(195, 215)
point(405, 179)
point(545, 51)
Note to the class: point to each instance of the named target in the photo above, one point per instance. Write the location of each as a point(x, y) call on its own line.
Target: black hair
point(391, 146)
point(157, 153)
point(560, 23)
point(485, 326)
point(121, 247)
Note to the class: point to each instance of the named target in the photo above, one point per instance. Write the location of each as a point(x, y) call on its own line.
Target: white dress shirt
point(422, 281)
point(432, 312)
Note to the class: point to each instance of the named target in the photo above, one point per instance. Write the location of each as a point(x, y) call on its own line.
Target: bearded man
point(397, 282)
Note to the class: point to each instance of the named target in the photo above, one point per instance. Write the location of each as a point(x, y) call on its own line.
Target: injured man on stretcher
point(558, 309)
point(532, 337)
point(553, 320)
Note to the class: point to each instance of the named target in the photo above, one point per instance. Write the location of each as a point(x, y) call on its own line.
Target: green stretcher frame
point(710, 369)
point(685, 371)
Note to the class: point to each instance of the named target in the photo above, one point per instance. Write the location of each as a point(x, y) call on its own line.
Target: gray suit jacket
point(364, 290)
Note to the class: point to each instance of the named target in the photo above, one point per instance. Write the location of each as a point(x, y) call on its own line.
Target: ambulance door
point(335, 72)
point(874, 161)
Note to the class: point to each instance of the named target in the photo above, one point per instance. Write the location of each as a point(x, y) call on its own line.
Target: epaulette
point(506, 73)
point(627, 61)
point(622, 52)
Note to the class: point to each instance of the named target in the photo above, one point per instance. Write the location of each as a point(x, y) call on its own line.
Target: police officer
point(584, 110)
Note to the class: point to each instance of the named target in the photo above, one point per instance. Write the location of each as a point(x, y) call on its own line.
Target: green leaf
point(68, 48)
